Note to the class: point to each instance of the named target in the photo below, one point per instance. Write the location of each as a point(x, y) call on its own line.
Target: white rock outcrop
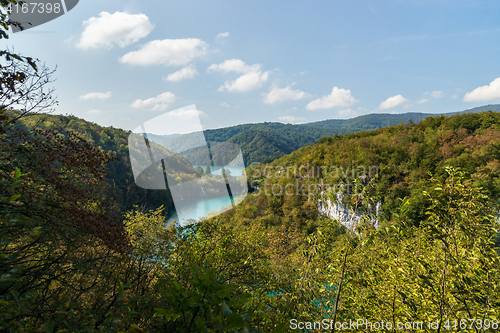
point(344, 214)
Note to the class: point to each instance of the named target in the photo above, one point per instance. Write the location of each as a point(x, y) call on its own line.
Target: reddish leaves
point(65, 188)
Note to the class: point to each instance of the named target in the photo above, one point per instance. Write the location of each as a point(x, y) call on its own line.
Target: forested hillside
point(404, 156)
point(374, 120)
point(370, 121)
point(273, 139)
point(113, 141)
point(393, 165)
point(266, 141)
point(271, 262)
point(439, 185)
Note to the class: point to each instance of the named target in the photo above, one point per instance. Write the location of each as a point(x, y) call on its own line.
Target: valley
point(364, 210)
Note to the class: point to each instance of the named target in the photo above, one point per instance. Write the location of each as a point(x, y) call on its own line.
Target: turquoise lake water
point(196, 209)
point(199, 208)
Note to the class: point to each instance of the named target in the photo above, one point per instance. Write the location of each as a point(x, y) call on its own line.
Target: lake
point(198, 208)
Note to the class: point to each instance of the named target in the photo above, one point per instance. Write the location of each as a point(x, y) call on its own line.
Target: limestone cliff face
point(344, 214)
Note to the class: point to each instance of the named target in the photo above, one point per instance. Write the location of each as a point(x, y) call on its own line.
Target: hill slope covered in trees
point(114, 141)
point(378, 120)
point(288, 138)
point(396, 161)
point(271, 260)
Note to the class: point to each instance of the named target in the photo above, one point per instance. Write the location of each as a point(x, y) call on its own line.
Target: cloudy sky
point(122, 63)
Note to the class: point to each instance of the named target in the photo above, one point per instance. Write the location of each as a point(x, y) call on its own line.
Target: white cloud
point(283, 94)
point(187, 114)
point(338, 97)
point(158, 103)
point(222, 35)
point(392, 102)
point(169, 52)
point(234, 65)
point(291, 119)
point(347, 112)
point(252, 77)
point(436, 94)
point(120, 29)
point(454, 96)
point(187, 72)
point(484, 93)
point(224, 104)
point(96, 95)
point(246, 82)
point(94, 112)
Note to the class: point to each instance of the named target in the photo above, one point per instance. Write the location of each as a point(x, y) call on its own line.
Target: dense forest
point(83, 250)
point(378, 120)
point(264, 142)
point(274, 139)
point(119, 169)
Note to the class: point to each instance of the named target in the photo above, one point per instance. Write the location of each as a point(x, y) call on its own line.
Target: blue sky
point(122, 63)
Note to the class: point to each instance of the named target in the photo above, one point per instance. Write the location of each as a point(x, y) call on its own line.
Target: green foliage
point(114, 141)
point(402, 156)
point(258, 145)
point(207, 305)
point(374, 121)
point(444, 270)
point(259, 142)
point(149, 238)
point(69, 262)
point(199, 171)
point(270, 260)
point(56, 228)
point(265, 142)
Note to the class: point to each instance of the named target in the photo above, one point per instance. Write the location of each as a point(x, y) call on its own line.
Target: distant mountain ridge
point(259, 142)
point(378, 120)
point(263, 142)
